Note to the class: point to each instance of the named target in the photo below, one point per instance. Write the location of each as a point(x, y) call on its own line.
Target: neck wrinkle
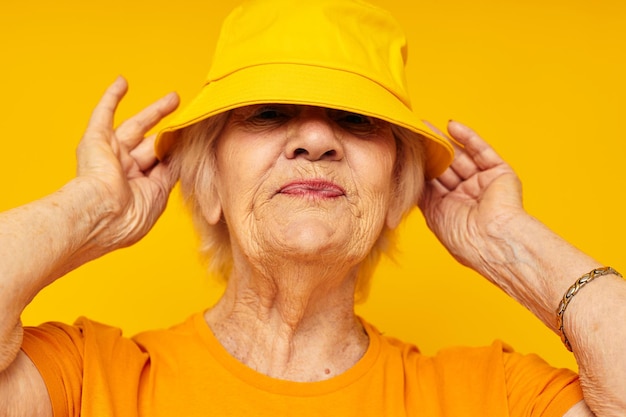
point(297, 323)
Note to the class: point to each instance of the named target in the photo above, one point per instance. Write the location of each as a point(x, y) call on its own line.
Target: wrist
point(90, 212)
point(72, 220)
point(573, 291)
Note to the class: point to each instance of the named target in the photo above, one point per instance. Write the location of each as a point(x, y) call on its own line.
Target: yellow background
point(543, 81)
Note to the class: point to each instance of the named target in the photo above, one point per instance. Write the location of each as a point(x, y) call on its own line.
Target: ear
point(208, 197)
point(394, 213)
point(212, 207)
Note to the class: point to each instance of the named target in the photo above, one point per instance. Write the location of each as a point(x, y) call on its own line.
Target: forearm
point(531, 263)
point(42, 241)
point(120, 192)
point(536, 267)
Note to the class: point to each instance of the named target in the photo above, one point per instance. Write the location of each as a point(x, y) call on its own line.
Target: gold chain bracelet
point(572, 291)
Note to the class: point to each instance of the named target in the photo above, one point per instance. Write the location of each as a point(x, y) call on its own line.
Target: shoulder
point(188, 333)
point(93, 360)
point(491, 378)
point(74, 360)
point(86, 342)
point(74, 339)
point(458, 356)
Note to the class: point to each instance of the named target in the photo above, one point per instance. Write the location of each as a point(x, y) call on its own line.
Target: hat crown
point(341, 54)
point(345, 35)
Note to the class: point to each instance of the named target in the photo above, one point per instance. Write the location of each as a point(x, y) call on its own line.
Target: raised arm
point(118, 194)
point(475, 209)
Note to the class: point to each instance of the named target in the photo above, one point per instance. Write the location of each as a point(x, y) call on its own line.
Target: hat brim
point(307, 85)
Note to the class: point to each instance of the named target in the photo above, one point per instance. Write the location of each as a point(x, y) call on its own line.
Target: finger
point(463, 165)
point(143, 154)
point(483, 155)
point(450, 179)
point(131, 132)
point(455, 145)
point(104, 112)
point(433, 190)
point(163, 174)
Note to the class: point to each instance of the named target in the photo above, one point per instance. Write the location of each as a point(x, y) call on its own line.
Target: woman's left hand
point(475, 196)
point(475, 209)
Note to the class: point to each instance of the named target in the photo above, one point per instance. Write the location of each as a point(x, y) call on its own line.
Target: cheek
point(373, 169)
point(243, 167)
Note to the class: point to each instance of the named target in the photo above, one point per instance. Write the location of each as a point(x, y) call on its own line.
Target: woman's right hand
point(119, 193)
point(120, 168)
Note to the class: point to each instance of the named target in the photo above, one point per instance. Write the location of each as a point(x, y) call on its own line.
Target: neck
point(293, 322)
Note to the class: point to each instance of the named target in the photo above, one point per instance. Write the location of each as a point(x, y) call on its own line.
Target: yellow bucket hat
point(341, 54)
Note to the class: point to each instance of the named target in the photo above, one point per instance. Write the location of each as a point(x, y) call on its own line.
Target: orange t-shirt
point(92, 371)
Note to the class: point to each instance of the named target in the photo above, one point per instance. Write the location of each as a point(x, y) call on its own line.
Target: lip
point(313, 188)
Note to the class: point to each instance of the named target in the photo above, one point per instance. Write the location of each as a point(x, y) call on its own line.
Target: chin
point(315, 238)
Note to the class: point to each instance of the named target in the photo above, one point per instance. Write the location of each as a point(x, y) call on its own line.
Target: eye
point(355, 122)
point(357, 119)
point(260, 117)
point(269, 114)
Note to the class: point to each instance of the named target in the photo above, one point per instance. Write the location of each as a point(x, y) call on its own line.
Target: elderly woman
point(298, 159)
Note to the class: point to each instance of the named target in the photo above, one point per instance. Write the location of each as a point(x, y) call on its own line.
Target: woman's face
point(303, 181)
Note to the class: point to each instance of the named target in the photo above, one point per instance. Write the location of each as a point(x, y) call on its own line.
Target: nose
point(313, 136)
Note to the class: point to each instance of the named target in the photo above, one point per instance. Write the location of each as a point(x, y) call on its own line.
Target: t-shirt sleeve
point(56, 350)
point(534, 388)
point(89, 368)
point(495, 381)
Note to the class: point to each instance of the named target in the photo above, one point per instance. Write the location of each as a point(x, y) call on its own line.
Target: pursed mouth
point(313, 188)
